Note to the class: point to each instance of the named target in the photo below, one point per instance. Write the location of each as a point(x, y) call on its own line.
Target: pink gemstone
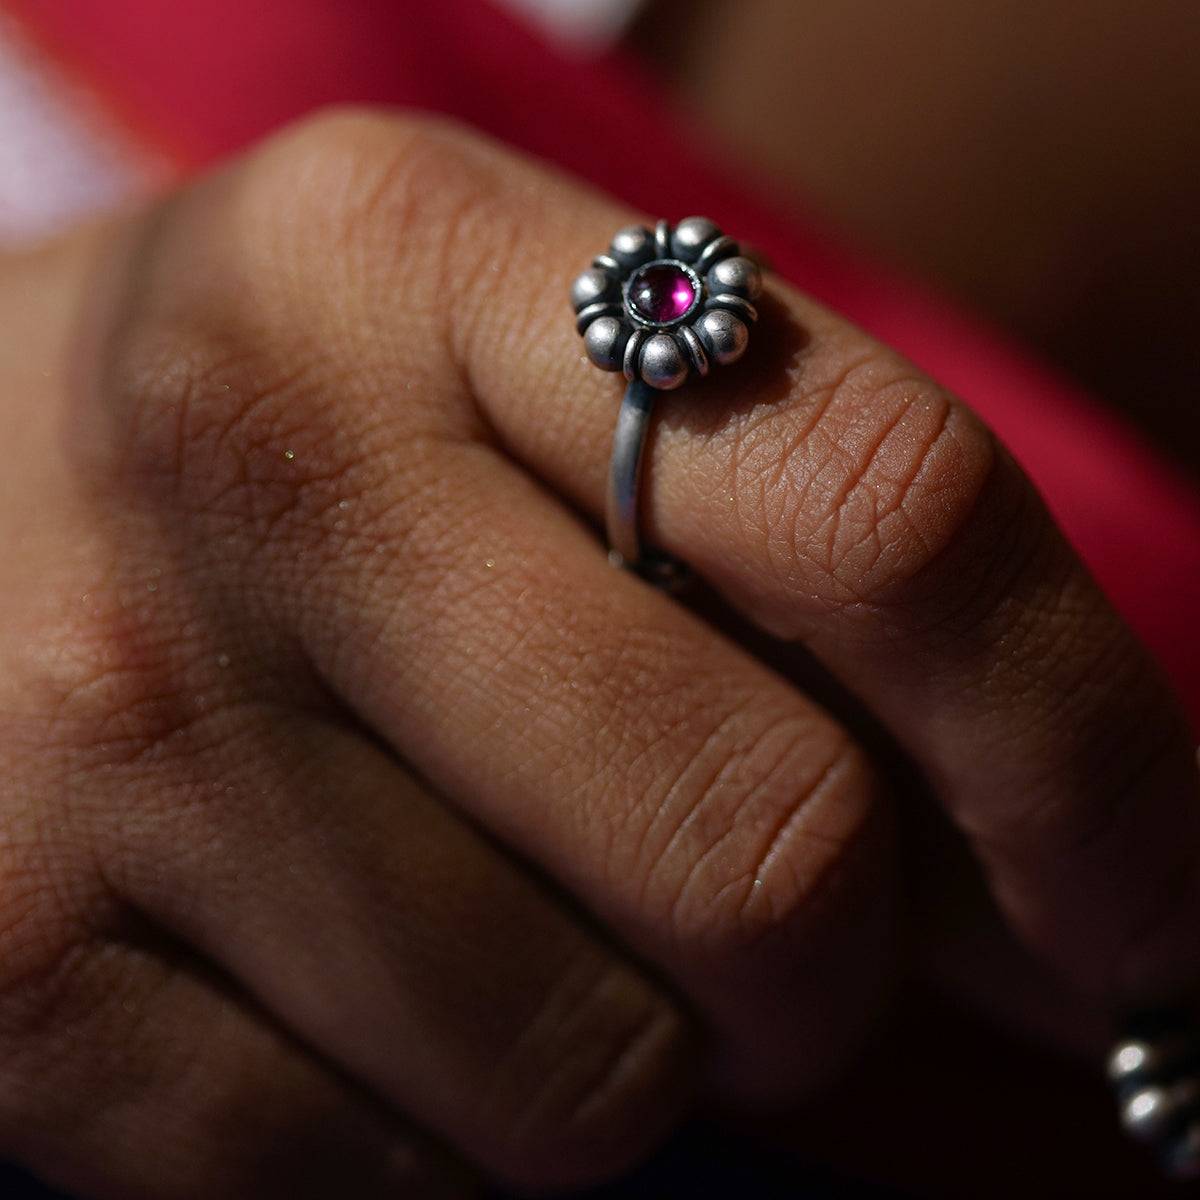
point(661, 292)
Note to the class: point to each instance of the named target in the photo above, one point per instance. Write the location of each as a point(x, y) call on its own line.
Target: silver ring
point(1155, 1071)
point(661, 306)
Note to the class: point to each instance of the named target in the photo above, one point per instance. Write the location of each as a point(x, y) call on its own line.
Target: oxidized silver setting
point(664, 349)
point(660, 306)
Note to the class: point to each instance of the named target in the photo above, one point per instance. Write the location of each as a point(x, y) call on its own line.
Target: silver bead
point(1150, 1111)
point(1127, 1059)
point(691, 236)
point(633, 245)
point(724, 336)
point(1149, 1058)
point(737, 275)
point(591, 286)
point(604, 342)
point(662, 364)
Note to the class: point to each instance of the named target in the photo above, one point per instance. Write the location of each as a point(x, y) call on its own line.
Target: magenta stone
point(662, 292)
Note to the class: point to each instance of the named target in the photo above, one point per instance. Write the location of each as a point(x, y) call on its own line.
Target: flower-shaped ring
point(660, 305)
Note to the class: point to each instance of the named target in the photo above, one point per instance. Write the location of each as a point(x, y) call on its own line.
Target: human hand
point(351, 792)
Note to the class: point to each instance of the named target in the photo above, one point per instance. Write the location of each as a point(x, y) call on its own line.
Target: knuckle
point(217, 384)
point(368, 199)
point(37, 931)
point(608, 1079)
point(213, 401)
point(769, 814)
point(252, 382)
point(224, 430)
point(867, 479)
point(52, 908)
point(333, 168)
point(105, 680)
point(133, 696)
point(260, 462)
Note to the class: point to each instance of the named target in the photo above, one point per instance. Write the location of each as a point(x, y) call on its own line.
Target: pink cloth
point(199, 80)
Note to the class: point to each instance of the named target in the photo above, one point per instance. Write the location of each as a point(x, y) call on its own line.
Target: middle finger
point(719, 821)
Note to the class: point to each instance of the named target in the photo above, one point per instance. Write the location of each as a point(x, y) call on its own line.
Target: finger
point(383, 931)
point(715, 820)
point(838, 496)
point(127, 1070)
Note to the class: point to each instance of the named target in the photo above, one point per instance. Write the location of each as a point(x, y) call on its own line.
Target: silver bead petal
point(593, 285)
point(724, 335)
point(604, 342)
point(662, 365)
point(691, 236)
point(738, 275)
point(633, 245)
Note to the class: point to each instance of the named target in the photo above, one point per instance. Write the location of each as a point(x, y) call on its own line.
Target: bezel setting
point(638, 317)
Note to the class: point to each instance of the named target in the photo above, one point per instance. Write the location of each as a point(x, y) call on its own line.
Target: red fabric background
point(199, 80)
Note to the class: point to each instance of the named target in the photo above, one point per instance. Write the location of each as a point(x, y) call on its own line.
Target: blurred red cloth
point(199, 80)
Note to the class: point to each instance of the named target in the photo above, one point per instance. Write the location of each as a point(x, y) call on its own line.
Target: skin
point(359, 817)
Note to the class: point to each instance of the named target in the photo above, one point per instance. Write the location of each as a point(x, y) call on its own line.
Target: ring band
point(660, 306)
point(625, 475)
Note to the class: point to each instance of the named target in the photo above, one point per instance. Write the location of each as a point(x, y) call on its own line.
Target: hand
point(350, 791)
